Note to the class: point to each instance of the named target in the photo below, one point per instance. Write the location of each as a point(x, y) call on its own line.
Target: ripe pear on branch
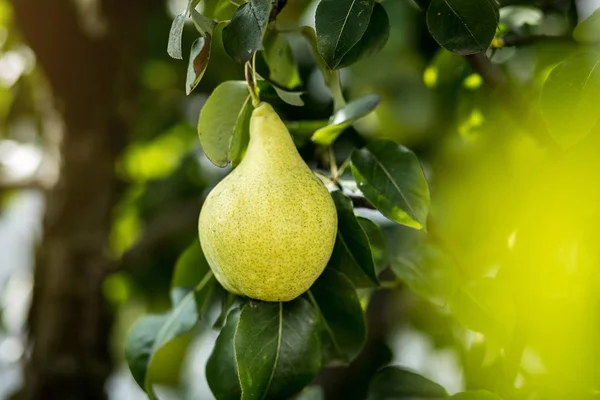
point(268, 229)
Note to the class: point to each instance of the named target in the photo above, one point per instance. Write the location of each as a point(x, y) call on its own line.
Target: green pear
point(268, 229)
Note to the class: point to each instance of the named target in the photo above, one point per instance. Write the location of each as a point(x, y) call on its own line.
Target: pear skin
point(268, 229)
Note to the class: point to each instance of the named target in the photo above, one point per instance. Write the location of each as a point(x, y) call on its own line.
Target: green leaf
point(218, 120)
point(476, 395)
point(174, 44)
point(344, 118)
point(463, 26)
point(199, 57)
point(428, 271)
point(571, 98)
point(352, 252)
point(344, 328)
point(280, 59)
point(391, 178)
point(340, 24)
point(588, 31)
point(376, 241)
point(277, 348)
point(228, 299)
point(241, 133)
point(173, 335)
point(485, 306)
point(221, 367)
point(192, 5)
point(139, 344)
point(190, 268)
point(373, 40)
point(393, 383)
point(270, 89)
point(243, 36)
point(205, 26)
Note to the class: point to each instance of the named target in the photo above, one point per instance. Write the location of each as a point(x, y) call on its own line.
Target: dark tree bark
point(91, 75)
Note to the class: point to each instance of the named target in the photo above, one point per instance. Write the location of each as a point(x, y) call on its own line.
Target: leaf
point(376, 241)
point(373, 40)
point(476, 395)
point(344, 329)
point(199, 57)
point(139, 343)
point(241, 133)
point(192, 5)
point(345, 117)
point(394, 383)
point(218, 120)
point(243, 36)
point(340, 24)
point(221, 367)
point(174, 44)
point(391, 178)
point(352, 252)
point(588, 30)
point(175, 330)
point(228, 299)
point(190, 268)
point(484, 306)
point(571, 98)
point(463, 26)
point(269, 89)
point(205, 26)
point(280, 59)
point(277, 348)
point(428, 271)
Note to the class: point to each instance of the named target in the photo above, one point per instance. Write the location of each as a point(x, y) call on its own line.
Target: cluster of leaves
point(274, 350)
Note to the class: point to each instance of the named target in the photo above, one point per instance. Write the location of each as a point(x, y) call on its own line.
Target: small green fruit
point(268, 229)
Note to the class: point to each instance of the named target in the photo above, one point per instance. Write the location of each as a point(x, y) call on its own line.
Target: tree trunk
point(90, 72)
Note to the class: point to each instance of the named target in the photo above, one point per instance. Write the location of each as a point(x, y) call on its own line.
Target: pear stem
point(251, 85)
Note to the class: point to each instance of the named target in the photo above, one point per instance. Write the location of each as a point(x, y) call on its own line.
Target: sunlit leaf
point(340, 24)
point(243, 36)
point(571, 98)
point(221, 367)
point(344, 329)
point(394, 383)
point(219, 118)
point(463, 26)
point(373, 40)
point(391, 178)
point(352, 252)
point(174, 44)
point(277, 348)
point(345, 117)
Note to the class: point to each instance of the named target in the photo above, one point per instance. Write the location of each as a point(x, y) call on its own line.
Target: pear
point(268, 229)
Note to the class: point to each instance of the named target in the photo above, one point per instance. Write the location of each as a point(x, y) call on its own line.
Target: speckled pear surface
point(268, 229)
